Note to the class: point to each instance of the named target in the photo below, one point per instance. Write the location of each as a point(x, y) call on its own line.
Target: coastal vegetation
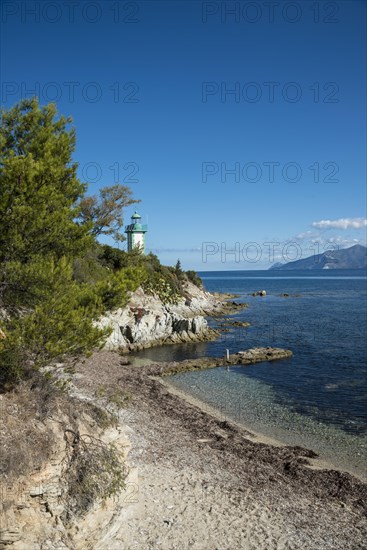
point(56, 279)
point(46, 312)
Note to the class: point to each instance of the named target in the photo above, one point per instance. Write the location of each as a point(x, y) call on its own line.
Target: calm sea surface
point(316, 399)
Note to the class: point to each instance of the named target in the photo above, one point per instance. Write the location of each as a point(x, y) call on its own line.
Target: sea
point(316, 399)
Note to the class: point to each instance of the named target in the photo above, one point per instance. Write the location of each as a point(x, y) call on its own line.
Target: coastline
point(204, 483)
point(220, 304)
point(196, 478)
point(253, 434)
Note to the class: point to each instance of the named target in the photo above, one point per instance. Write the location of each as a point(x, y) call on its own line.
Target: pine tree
point(178, 268)
point(47, 314)
point(39, 188)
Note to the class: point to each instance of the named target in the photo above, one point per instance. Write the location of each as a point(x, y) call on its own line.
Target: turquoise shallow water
point(255, 404)
point(316, 399)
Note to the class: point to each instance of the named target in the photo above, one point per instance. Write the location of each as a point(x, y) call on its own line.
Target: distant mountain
point(354, 257)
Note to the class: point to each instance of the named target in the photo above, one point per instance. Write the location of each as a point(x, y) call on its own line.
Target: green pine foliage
point(49, 317)
point(56, 279)
point(53, 286)
point(114, 288)
point(39, 189)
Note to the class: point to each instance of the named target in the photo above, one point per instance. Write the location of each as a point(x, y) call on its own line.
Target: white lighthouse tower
point(136, 233)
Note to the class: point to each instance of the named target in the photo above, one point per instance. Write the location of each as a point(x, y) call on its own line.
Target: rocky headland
point(146, 321)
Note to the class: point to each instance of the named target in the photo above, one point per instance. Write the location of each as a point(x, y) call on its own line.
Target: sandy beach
point(208, 484)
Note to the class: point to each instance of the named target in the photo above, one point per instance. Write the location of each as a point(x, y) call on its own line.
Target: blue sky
point(233, 122)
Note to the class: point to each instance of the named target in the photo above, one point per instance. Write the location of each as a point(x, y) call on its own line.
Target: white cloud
point(342, 223)
point(306, 235)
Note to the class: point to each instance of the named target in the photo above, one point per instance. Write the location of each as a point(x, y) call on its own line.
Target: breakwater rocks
point(247, 357)
point(146, 321)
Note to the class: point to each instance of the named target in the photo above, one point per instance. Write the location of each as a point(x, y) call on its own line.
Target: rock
point(9, 536)
point(57, 510)
point(36, 491)
point(256, 355)
point(247, 357)
point(259, 293)
point(146, 321)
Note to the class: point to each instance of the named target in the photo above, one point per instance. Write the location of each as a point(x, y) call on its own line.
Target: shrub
point(114, 288)
point(162, 287)
point(93, 470)
point(194, 278)
point(57, 323)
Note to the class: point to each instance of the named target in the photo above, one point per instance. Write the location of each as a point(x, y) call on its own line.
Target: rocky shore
point(146, 321)
point(194, 480)
point(248, 357)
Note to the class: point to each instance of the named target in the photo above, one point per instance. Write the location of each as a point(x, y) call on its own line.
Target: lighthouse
point(136, 233)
